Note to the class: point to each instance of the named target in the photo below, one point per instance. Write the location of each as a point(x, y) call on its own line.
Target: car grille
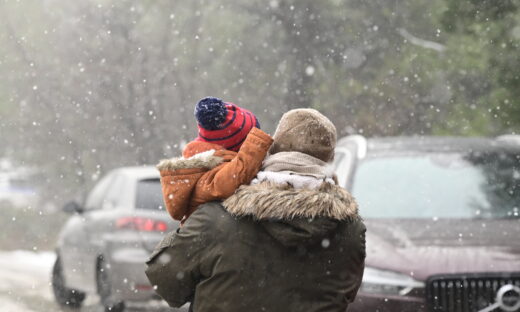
point(466, 293)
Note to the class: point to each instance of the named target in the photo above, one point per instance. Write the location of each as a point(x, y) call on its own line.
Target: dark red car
point(443, 220)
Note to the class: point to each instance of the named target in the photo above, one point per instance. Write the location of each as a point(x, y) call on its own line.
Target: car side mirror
point(72, 207)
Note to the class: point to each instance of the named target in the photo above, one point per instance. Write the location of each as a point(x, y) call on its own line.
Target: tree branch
point(421, 42)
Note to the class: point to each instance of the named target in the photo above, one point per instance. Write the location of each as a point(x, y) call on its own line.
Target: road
point(25, 285)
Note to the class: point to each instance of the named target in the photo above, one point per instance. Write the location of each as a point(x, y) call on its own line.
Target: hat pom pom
point(210, 113)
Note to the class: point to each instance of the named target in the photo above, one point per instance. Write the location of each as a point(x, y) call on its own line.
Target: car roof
point(139, 172)
point(436, 144)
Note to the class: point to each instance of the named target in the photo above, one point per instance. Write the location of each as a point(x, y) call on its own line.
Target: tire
point(66, 297)
point(104, 288)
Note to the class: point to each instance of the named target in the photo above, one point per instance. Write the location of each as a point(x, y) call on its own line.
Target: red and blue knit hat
point(223, 123)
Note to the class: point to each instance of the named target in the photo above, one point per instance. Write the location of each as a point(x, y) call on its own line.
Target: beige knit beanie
point(307, 131)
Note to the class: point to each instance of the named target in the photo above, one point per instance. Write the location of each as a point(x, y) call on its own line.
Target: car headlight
point(384, 282)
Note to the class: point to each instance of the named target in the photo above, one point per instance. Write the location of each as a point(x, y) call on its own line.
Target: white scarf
point(296, 169)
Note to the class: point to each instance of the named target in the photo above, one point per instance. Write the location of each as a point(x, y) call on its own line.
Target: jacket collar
point(267, 201)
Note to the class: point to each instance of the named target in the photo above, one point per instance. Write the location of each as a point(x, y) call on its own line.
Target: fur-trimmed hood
point(205, 160)
point(267, 201)
point(294, 216)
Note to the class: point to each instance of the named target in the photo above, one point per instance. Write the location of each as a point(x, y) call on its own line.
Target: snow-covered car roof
point(139, 172)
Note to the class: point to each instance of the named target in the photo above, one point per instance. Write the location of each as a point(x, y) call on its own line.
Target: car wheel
point(66, 297)
point(104, 288)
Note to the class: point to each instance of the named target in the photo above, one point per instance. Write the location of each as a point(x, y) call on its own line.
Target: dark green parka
point(266, 248)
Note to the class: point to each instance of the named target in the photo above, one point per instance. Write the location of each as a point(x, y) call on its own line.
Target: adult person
point(290, 241)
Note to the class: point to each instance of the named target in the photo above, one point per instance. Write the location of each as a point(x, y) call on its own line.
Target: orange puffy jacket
point(208, 172)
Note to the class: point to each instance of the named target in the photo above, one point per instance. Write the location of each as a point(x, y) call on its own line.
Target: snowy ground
point(25, 284)
point(25, 280)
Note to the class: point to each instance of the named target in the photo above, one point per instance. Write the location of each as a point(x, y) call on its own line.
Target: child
point(227, 153)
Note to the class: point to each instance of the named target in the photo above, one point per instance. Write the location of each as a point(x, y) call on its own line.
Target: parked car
point(17, 185)
point(103, 246)
point(443, 221)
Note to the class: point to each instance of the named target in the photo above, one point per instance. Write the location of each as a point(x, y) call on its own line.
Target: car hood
point(421, 248)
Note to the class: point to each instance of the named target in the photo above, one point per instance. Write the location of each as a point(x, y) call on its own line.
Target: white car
point(103, 247)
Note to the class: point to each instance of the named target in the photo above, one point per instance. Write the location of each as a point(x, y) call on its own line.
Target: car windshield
point(149, 195)
point(441, 185)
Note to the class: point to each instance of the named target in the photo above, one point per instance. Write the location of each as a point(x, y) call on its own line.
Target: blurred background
point(88, 86)
point(92, 85)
